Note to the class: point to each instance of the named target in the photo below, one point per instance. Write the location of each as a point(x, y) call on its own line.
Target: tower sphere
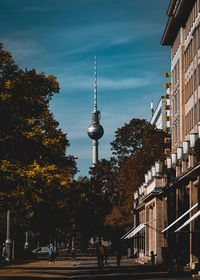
point(95, 131)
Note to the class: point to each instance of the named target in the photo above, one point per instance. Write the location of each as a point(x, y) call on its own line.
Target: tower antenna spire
point(95, 130)
point(95, 83)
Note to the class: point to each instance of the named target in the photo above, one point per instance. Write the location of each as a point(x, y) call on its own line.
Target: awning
point(188, 221)
point(135, 231)
point(188, 211)
point(123, 237)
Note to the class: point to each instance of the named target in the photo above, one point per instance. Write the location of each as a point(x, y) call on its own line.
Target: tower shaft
point(95, 144)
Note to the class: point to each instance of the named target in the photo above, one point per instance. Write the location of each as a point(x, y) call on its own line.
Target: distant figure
point(105, 257)
point(153, 257)
point(118, 255)
point(100, 255)
point(73, 252)
point(129, 252)
point(3, 253)
point(52, 254)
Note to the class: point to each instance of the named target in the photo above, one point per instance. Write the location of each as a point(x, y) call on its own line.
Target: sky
point(61, 37)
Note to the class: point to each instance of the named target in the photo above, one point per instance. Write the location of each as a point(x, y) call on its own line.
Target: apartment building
point(182, 33)
point(167, 205)
point(161, 115)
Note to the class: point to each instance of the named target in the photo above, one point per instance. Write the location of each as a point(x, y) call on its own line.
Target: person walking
point(3, 253)
point(153, 257)
point(105, 257)
point(51, 253)
point(73, 252)
point(100, 255)
point(118, 255)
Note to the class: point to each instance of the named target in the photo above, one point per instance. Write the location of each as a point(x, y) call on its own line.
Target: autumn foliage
point(35, 171)
point(136, 147)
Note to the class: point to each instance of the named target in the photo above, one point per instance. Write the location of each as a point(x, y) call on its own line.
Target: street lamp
point(169, 162)
point(193, 138)
point(179, 153)
point(174, 158)
point(198, 130)
point(158, 166)
point(149, 175)
point(186, 145)
point(153, 171)
point(146, 178)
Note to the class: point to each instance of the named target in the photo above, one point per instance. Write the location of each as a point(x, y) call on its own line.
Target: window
point(175, 132)
point(199, 110)
point(175, 103)
point(199, 72)
point(195, 43)
point(195, 79)
point(195, 113)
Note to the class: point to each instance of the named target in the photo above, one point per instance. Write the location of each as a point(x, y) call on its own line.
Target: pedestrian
point(153, 257)
point(129, 252)
point(105, 257)
point(73, 252)
point(51, 253)
point(118, 255)
point(100, 255)
point(4, 253)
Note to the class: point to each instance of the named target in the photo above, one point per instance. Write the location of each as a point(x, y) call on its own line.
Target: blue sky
point(60, 37)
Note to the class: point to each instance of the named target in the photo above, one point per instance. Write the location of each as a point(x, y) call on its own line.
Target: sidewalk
point(82, 268)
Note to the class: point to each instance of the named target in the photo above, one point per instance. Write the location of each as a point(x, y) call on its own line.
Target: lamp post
point(8, 240)
point(26, 245)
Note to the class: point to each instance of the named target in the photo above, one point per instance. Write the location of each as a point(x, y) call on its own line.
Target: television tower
point(95, 130)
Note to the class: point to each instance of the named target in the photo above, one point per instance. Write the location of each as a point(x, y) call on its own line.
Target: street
point(86, 268)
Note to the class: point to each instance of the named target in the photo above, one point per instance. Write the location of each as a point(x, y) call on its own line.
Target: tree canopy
point(136, 147)
point(35, 170)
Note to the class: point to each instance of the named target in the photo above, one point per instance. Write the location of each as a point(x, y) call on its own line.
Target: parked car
point(41, 252)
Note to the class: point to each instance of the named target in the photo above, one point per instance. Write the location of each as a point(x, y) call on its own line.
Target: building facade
point(167, 205)
point(161, 114)
point(182, 33)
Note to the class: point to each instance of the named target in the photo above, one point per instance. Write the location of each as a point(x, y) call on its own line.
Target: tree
point(137, 146)
point(34, 167)
point(128, 139)
point(87, 206)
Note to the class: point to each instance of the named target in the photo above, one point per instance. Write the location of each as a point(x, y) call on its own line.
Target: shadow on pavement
point(79, 273)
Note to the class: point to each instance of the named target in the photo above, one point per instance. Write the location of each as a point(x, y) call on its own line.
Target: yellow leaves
point(53, 81)
point(6, 165)
point(36, 130)
point(50, 141)
point(5, 57)
point(37, 198)
point(8, 84)
point(30, 121)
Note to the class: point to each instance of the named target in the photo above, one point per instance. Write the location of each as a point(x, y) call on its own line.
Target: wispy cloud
point(23, 48)
point(128, 83)
point(84, 82)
